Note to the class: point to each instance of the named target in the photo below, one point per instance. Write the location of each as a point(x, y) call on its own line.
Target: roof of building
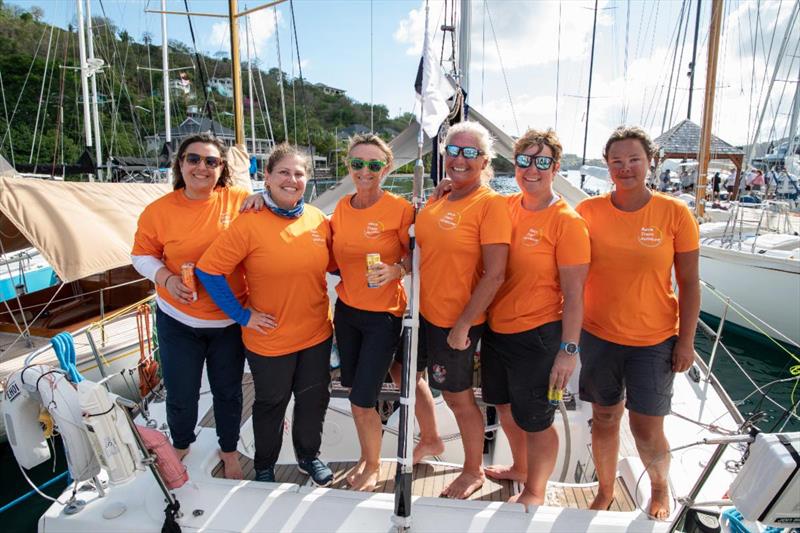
point(684, 138)
point(193, 125)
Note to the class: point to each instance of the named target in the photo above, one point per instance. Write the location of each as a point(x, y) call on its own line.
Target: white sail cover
point(80, 228)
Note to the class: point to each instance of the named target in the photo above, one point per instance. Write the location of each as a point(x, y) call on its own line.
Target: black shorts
point(515, 369)
point(448, 369)
point(642, 375)
point(366, 341)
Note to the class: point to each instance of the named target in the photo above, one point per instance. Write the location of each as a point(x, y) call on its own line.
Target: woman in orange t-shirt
point(531, 344)
point(463, 240)
point(192, 331)
point(284, 251)
point(637, 333)
point(369, 310)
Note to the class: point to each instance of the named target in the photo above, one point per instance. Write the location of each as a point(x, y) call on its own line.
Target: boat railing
point(773, 217)
point(772, 335)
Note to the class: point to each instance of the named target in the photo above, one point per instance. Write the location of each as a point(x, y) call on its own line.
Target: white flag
point(433, 90)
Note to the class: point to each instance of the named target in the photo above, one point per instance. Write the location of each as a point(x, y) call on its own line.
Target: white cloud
point(262, 28)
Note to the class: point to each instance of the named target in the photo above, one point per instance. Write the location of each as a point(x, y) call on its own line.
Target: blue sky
point(521, 48)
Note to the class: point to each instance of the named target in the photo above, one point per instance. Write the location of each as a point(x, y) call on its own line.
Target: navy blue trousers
point(184, 350)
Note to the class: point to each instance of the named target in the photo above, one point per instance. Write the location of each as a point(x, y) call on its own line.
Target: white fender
point(60, 399)
point(20, 408)
point(109, 432)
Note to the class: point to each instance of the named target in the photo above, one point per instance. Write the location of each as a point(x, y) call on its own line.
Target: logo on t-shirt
point(373, 230)
point(450, 220)
point(225, 219)
point(650, 236)
point(532, 237)
point(318, 238)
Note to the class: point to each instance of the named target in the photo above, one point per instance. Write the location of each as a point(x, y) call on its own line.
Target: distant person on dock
point(371, 303)
point(715, 187)
point(192, 331)
point(530, 349)
point(284, 251)
point(637, 332)
point(464, 239)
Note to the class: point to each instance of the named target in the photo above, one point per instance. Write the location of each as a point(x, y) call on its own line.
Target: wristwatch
point(570, 348)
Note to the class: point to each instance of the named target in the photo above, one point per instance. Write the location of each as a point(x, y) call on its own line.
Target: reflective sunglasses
point(469, 152)
point(211, 161)
point(373, 165)
point(541, 162)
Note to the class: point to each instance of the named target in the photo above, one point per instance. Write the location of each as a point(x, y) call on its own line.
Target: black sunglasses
point(211, 161)
point(373, 165)
point(541, 162)
point(469, 152)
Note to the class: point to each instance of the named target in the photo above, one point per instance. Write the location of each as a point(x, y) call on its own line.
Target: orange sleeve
point(328, 227)
point(146, 241)
point(227, 250)
point(496, 225)
point(573, 246)
point(407, 218)
point(687, 232)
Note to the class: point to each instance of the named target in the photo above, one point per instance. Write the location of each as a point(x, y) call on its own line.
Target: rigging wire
point(680, 62)
point(503, 70)
point(199, 61)
point(672, 68)
point(483, 56)
point(41, 95)
point(60, 117)
point(302, 86)
point(8, 123)
point(558, 63)
point(625, 64)
point(47, 100)
point(280, 75)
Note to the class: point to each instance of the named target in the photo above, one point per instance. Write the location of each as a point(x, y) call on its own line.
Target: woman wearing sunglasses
point(284, 251)
point(463, 238)
point(371, 303)
point(531, 344)
point(636, 331)
point(192, 331)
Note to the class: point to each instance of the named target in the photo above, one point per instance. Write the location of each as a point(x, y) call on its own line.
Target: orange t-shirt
point(450, 235)
point(178, 230)
point(285, 261)
point(541, 241)
point(628, 297)
point(381, 228)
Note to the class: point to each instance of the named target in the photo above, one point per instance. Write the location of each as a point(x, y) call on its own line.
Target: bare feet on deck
point(425, 448)
point(602, 502)
point(464, 485)
point(367, 480)
point(659, 503)
point(526, 498)
point(182, 452)
point(500, 472)
point(230, 465)
point(355, 472)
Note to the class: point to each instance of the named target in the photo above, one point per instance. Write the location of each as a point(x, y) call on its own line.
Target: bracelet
point(402, 271)
point(167, 280)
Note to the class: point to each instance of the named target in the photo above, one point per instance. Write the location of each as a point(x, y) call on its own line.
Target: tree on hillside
point(37, 13)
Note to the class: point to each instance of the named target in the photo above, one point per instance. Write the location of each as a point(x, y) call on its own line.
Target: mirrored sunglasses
point(373, 165)
point(541, 162)
point(469, 152)
point(210, 160)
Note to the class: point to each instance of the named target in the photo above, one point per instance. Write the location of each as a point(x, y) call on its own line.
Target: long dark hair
point(224, 178)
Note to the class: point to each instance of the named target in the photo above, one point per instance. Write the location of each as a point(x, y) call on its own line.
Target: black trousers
point(306, 374)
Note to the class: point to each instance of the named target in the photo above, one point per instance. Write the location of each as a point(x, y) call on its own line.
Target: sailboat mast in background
point(165, 73)
point(94, 65)
point(87, 129)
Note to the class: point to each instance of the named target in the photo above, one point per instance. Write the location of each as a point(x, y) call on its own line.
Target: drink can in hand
point(188, 279)
point(373, 259)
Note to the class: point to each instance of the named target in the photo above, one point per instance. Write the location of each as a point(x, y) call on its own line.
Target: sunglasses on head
point(373, 165)
point(211, 161)
point(469, 152)
point(541, 162)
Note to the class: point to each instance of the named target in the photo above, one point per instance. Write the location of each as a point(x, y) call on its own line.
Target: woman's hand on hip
point(682, 356)
point(562, 370)
point(261, 322)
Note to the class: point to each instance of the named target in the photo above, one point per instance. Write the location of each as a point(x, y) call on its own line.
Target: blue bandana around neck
point(294, 212)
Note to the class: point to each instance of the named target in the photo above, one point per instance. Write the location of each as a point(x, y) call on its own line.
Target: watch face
point(571, 348)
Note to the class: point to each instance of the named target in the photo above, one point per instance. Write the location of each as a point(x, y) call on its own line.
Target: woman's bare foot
point(526, 498)
point(367, 480)
point(659, 503)
point(182, 452)
point(602, 502)
point(500, 472)
point(230, 465)
point(355, 472)
point(426, 448)
point(464, 485)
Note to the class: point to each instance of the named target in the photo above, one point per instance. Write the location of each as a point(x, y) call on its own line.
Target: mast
point(250, 88)
point(589, 96)
point(704, 154)
point(93, 73)
point(693, 64)
point(464, 49)
point(87, 129)
point(165, 75)
point(236, 73)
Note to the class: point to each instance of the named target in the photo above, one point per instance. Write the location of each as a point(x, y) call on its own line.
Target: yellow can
point(372, 260)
